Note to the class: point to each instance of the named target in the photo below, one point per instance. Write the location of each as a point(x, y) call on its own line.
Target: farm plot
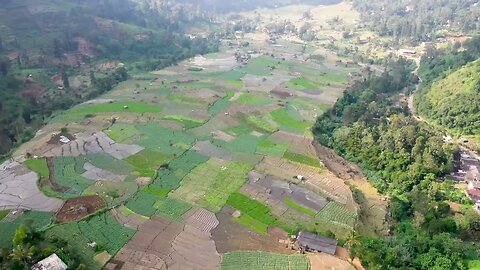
point(18, 189)
point(123, 133)
point(264, 261)
point(109, 163)
point(208, 149)
point(289, 123)
point(169, 178)
point(97, 142)
point(242, 144)
point(221, 104)
point(114, 193)
point(163, 139)
point(38, 165)
point(269, 147)
point(77, 208)
point(148, 204)
point(302, 83)
point(67, 174)
point(206, 185)
point(147, 162)
point(11, 222)
point(252, 99)
point(338, 215)
point(164, 244)
point(79, 112)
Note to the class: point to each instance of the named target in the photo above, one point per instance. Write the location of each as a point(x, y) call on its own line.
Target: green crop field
point(337, 214)
point(270, 148)
point(68, 172)
point(258, 260)
point(242, 144)
point(109, 163)
point(206, 185)
point(7, 229)
point(162, 139)
point(169, 178)
point(114, 193)
point(262, 124)
point(251, 223)
point(38, 165)
point(283, 118)
point(3, 214)
point(142, 203)
point(106, 232)
point(148, 161)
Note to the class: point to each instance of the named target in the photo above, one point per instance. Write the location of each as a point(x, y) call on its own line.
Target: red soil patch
point(78, 208)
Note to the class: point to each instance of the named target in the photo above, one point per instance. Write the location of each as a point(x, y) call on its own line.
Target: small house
point(313, 243)
point(52, 262)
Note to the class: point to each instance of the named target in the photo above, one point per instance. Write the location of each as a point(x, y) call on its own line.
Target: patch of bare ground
point(373, 206)
point(231, 236)
point(77, 208)
point(322, 261)
point(132, 220)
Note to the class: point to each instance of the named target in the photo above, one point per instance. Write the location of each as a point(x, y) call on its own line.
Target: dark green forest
point(450, 89)
point(419, 20)
point(405, 159)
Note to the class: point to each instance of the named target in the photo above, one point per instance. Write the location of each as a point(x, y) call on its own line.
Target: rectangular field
point(259, 260)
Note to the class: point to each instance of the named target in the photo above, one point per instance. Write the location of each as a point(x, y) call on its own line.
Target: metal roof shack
point(52, 262)
point(310, 242)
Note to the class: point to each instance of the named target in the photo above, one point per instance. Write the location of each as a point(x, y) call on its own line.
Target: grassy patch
point(260, 260)
point(148, 161)
point(109, 163)
point(251, 99)
point(187, 122)
point(242, 144)
point(3, 214)
point(302, 83)
point(123, 133)
point(299, 207)
point(285, 120)
point(302, 159)
point(38, 165)
point(210, 184)
point(114, 193)
point(162, 139)
point(184, 99)
point(270, 148)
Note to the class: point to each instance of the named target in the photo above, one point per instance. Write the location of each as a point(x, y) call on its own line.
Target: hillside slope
point(454, 101)
point(55, 53)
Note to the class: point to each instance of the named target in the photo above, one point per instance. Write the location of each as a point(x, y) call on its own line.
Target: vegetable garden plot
point(210, 184)
point(106, 232)
point(113, 193)
point(263, 261)
point(221, 104)
point(243, 144)
point(268, 147)
point(109, 163)
point(338, 214)
point(68, 176)
point(123, 133)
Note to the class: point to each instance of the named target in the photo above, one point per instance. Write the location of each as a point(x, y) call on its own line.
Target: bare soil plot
point(223, 62)
point(321, 261)
point(77, 208)
point(231, 236)
point(97, 142)
point(128, 218)
point(269, 189)
point(222, 135)
point(298, 143)
point(164, 244)
point(18, 189)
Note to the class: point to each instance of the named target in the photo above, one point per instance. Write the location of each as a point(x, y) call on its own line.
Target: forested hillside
point(405, 159)
point(450, 87)
point(419, 20)
point(58, 53)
